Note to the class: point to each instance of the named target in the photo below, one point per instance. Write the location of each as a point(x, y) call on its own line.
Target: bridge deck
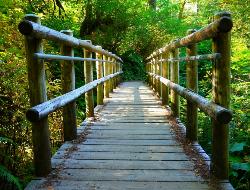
point(129, 146)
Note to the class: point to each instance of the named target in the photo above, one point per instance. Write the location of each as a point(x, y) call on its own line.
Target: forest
point(132, 29)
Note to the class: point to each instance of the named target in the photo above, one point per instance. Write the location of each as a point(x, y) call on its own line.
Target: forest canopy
point(132, 29)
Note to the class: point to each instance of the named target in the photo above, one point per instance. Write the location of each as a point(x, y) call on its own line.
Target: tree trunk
point(152, 4)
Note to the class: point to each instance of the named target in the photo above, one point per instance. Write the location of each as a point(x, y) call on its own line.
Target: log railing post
point(221, 95)
point(175, 99)
point(106, 73)
point(99, 74)
point(88, 74)
point(150, 71)
point(68, 84)
point(118, 70)
point(192, 83)
point(147, 71)
point(165, 74)
point(110, 72)
point(115, 70)
point(37, 93)
point(155, 70)
point(159, 65)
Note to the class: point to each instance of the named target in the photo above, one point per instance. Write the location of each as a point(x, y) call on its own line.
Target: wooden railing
point(108, 68)
point(163, 77)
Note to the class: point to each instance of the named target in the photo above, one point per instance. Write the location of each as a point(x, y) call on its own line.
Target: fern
point(9, 178)
point(7, 140)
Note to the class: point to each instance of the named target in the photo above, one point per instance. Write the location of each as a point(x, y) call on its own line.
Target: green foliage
point(133, 66)
point(7, 180)
point(240, 165)
point(129, 28)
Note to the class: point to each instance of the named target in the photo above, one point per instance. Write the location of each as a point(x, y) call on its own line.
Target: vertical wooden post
point(165, 74)
point(38, 94)
point(114, 71)
point(160, 74)
point(68, 84)
point(156, 72)
point(88, 73)
point(147, 71)
point(110, 72)
point(192, 83)
point(175, 99)
point(152, 71)
point(106, 73)
point(221, 95)
point(118, 70)
point(99, 74)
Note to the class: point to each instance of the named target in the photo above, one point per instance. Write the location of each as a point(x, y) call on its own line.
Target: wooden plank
point(116, 185)
point(131, 142)
point(122, 164)
point(128, 175)
point(121, 148)
point(134, 131)
point(123, 156)
point(155, 126)
point(129, 137)
point(153, 115)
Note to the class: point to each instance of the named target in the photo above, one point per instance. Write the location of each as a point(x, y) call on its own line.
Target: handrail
point(38, 31)
point(191, 58)
point(221, 25)
point(108, 69)
point(67, 58)
point(215, 111)
point(40, 111)
point(163, 76)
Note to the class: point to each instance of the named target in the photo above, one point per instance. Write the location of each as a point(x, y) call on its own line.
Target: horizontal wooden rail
point(66, 58)
point(38, 31)
point(222, 25)
point(212, 56)
point(215, 111)
point(42, 110)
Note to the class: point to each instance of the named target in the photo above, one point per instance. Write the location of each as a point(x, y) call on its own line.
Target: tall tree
point(152, 4)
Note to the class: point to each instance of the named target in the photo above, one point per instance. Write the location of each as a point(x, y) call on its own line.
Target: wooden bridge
point(133, 139)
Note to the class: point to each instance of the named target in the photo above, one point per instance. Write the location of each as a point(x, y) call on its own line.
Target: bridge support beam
point(38, 94)
point(174, 70)
point(192, 83)
point(88, 74)
point(68, 84)
point(99, 73)
point(221, 95)
point(106, 73)
point(159, 72)
point(165, 74)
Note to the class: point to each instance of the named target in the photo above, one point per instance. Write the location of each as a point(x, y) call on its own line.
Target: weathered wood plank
point(130, 131)
point(115, 185)
point(122, 148)
point(123, 156)
point(122, 164)
point(128, 175)
point(120, 136)
point(131, 142)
